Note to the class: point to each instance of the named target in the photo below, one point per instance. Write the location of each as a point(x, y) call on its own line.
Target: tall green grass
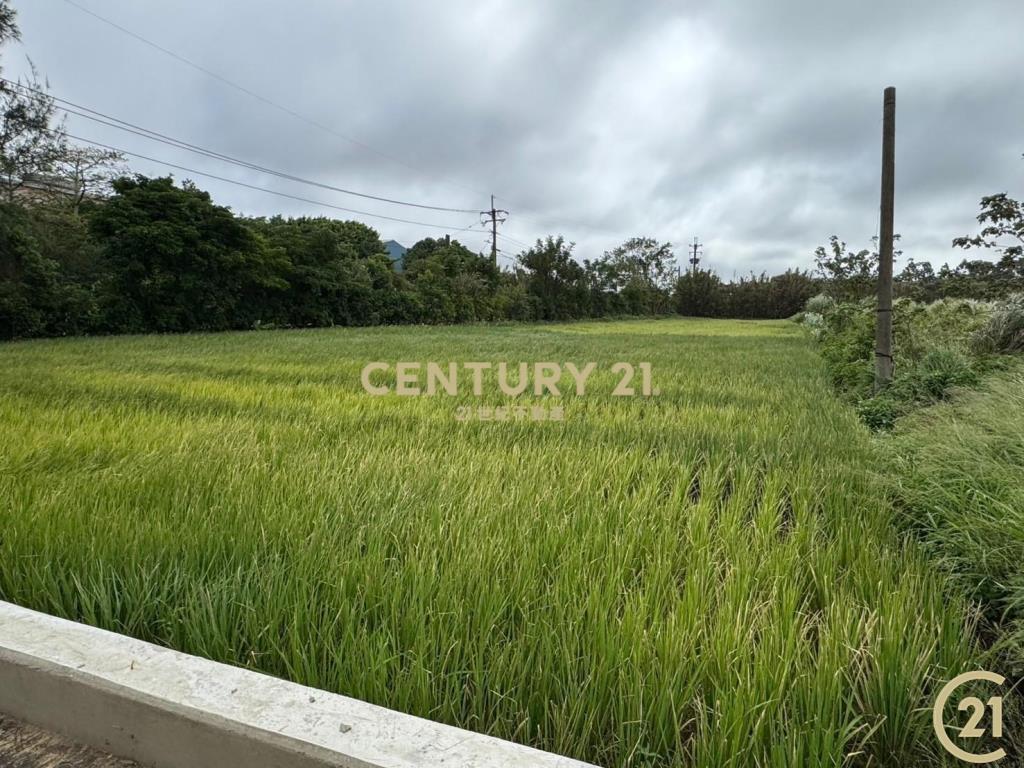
point(705, 578)
point(957, 474)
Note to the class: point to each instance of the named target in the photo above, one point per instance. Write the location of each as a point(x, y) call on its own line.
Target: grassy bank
point(938, 347)
point(957, 474)
point(709, 577)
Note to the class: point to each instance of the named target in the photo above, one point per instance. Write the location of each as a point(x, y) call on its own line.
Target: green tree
point(1003, 220)
point(640, 259)
point(8, 23)
point(177, 262)
point(699, 293)
point(338, 273)
point(918, 281)
point(30, 293)
point(788, 293)
point(556, 282)
point(30, 142)
point(640, 272)
point(452, 283)
point(33, 144)
point(847, 274)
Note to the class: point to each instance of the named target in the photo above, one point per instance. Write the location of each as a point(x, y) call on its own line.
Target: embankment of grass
point(956, 473)
point(938, 348)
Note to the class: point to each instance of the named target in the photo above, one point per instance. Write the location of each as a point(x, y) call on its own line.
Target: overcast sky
point(755, 126)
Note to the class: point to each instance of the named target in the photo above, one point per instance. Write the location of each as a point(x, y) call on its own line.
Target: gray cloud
point(753, 125)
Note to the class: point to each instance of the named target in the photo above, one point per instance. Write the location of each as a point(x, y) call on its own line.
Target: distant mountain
point(397, 253)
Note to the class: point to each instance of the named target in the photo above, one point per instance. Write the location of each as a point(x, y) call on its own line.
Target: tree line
point(88, 248)
point(847, 275)
point(154, 256)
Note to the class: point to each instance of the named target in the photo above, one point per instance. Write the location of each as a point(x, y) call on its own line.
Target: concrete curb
point(170, 710)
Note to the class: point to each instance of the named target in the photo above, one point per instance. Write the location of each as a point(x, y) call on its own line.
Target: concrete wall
point(170, 710)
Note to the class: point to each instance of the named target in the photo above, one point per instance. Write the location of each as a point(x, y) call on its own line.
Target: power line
point(514, 240)
point(251, 93)
point(147, 133)
point(466, 229)
point(270, 102)
point(276, 105)
point(537, 216)
point(260, 189)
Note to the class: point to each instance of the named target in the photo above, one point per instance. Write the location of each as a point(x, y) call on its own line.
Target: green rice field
point(706, 577)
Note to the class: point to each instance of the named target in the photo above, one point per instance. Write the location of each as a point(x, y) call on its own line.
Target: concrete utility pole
point(883, 326)
point(496, 216)
point(696, 251)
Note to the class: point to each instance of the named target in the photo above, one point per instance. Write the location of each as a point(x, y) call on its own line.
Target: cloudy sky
point(754, 126)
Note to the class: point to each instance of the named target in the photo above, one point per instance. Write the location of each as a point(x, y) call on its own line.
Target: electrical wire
point(258, 188)
point(253, 94)
point(514, 240)
point(147, 133)
point(270, 102)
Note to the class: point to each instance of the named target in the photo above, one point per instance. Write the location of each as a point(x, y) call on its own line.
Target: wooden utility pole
point(496, 216)
point(695, 253)
point(883, 325)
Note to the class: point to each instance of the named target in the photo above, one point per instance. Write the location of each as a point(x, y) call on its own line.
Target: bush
point(880, 413)
point(848, 341)
point(33, 300)
point(935, 375)
point(820, 304)
point(935, 346)
point(945, 324)
point(1004, 331)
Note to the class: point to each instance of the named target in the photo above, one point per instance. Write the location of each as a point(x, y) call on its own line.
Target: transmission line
point(278, 106)
point(514, 240)
point(260, 189)
point(251, 93)
point(147, 133)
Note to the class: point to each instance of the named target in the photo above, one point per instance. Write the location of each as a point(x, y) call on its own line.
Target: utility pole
point(696, 250)
point(883, 325)
point(496, 216)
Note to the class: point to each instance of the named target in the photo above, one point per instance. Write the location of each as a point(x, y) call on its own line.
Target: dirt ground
point(24, 746)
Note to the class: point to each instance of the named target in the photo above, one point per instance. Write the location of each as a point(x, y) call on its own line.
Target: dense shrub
point(699, 294)
point(1004, 331)
point(702, 293)
point(178, 262)
point(847, 335)
point(820, 304)
point(935, 348)
point(936, 373)
point(920, 328)
point(881, 412)
point(34, 299)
